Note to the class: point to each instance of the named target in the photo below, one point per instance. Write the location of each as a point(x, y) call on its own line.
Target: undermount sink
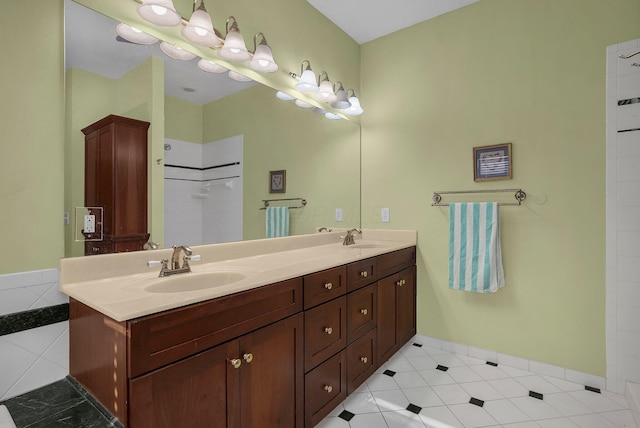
point(193, 281)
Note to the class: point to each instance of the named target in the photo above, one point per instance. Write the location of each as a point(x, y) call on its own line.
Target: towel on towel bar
point(277, 222)
point(475, 256)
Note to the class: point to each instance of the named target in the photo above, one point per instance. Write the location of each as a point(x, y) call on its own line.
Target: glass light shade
point(234, 49)
point(199, 30)
point(160, 12)
point(284, 96)
point(307, 82)
point(133, 35)
point(263, 59)
point(341, 101)
point(325, 92)
point(303, 104)
point(355, 109)
point(332, 116)
point(318, 110)
point(211, 67)
point(175, 52)
point(239, 77)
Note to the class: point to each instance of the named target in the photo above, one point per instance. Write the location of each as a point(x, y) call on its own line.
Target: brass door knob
point(236, 363)
point(328, 388)
point(328, 286)
point(328, 330)
point(364, 360)
point(364, 274)
point(364, 311)
point(248, 357)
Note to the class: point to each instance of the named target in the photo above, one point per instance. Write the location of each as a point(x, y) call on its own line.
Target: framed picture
point(278, 181)
point(492, 162)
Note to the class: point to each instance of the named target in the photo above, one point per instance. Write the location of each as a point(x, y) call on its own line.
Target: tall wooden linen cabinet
point(115, 178)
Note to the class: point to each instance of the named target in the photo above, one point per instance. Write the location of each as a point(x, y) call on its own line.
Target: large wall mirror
point(213, 141)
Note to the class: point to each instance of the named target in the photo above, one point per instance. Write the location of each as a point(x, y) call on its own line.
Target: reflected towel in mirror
point(277, 222)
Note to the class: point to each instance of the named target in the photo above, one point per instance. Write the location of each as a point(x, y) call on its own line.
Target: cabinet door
point(271, 376)
point(200, 391)
point(396, 312)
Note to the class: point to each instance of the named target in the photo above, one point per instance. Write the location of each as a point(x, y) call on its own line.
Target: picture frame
point(278, 181)
point(492, 162)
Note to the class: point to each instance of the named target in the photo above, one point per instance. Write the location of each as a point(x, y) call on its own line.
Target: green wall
point(530, 72)
point(31, 136)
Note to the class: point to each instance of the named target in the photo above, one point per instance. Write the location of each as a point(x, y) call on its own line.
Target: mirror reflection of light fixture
point(262, 56)
point(284, 96)
point(332, 116)
point(319, 110)
point(234, 48)
point(133, 35)
point(159, 12)
point(239, 77)
point(307, 81)
point(341, 102)
point(325, 92)
point(175, 52)
point(303, 104)
point(199, 30)
point(211, 67)
point(355, 109)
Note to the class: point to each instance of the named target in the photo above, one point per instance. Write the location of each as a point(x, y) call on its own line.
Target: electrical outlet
point(66, 217)
point(338, 214)
point(89, 223)
point(384, 215)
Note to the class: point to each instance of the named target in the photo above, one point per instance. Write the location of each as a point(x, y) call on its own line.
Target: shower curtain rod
point(519, 194)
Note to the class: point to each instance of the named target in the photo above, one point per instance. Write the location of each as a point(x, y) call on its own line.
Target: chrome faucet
point(175, 267)
point(348, 239)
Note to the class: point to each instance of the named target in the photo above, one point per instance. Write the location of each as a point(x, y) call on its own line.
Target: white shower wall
point(203, 206)
point(623, 216)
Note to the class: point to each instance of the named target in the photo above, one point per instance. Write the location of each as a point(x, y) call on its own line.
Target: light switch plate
point(384, 215)
point(338, 214)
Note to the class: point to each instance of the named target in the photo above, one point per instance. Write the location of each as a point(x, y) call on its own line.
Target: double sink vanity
point(265, 333)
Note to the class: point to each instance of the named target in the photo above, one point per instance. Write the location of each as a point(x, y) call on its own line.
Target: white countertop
point(117, 285)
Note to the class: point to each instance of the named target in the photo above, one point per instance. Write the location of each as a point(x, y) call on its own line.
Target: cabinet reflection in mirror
point(208, 120)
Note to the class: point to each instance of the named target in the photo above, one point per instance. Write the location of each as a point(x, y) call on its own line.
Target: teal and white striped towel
point(277, 222)
point(475, 256)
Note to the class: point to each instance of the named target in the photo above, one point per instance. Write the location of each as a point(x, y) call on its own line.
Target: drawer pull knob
point(248, 357)
point(328, 330)
point(364, 360)
point(328, 388)
point(364, 274)
point(328, 286)
point(236, 363)
point(364, 311)
point(401, 282)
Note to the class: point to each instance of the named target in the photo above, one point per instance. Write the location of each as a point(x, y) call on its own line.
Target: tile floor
point(426, 387)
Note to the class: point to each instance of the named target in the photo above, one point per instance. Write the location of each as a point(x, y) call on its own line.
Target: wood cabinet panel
point(362, 307)
point(325, 331)
point(160, 339)
point(361, 273)
point(325, 387)
point(323, 286)
point(361, 360)
point(395, 261)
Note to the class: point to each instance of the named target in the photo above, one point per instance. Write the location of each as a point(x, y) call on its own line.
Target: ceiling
point(91, 43)
point(366, 20)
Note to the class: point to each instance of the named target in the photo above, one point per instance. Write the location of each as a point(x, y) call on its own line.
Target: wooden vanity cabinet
point(115, 178)
point(396, 312)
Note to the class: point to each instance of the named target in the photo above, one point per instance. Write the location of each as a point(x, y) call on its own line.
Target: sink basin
point(193, 281)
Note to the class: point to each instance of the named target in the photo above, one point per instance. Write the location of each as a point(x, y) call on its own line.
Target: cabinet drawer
point(323, 286)
point(163, 338)
point(361, 360)
point(97, 247)
point(325, 387)
point(395, 261)
point(362, 307)
point(325, 331)
point(361, 273)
